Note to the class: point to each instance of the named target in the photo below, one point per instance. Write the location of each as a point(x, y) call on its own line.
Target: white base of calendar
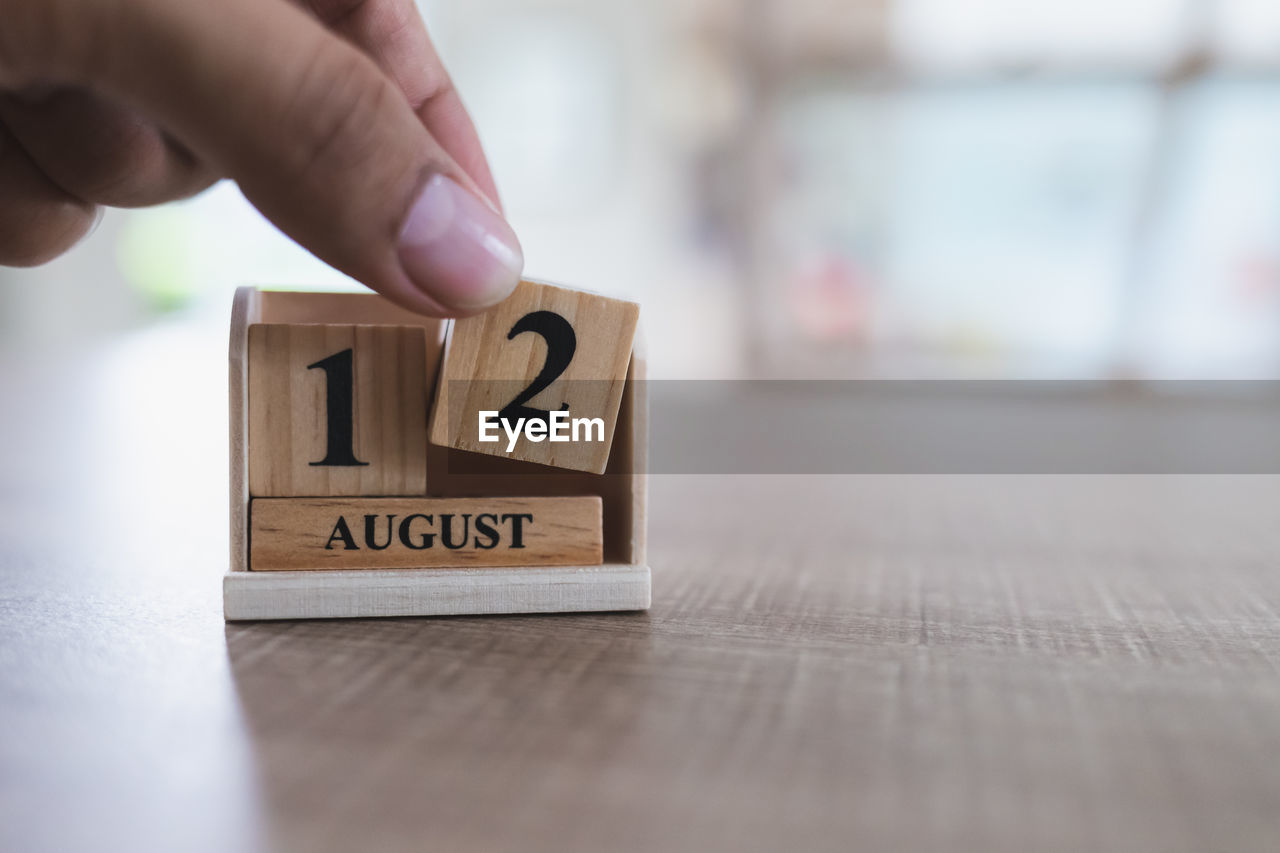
point(434, 592)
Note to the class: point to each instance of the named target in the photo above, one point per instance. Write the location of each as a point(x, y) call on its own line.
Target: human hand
point(337, 120)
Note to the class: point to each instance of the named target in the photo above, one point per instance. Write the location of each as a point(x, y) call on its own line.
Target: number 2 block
point(550, 363)
point(338, 409)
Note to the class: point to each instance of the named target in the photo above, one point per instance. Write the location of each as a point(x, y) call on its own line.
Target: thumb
point(319, 140)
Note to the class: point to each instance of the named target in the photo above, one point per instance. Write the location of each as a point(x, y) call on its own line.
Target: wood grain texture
point(287, 409)
point(959, 664)
point(410, 533)
point(484, 370)
point(435, 592)
point(955, 663)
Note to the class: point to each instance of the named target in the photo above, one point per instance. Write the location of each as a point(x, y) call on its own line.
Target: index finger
point(393, 34)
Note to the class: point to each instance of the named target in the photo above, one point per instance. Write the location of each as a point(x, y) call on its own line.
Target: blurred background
point(865, 188)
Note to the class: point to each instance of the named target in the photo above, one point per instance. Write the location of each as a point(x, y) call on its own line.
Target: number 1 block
point(549, 365)
point(337, 410)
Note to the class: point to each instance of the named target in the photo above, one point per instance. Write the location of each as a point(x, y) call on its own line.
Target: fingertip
point(38, 220)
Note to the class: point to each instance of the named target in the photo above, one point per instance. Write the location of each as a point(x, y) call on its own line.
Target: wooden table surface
point(831, 663)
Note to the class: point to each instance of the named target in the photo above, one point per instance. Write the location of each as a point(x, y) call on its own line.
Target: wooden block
point(393, 533)
point(545, 349)
point(338, 409)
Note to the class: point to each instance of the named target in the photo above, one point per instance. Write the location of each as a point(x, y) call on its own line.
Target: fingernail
point(458, 250)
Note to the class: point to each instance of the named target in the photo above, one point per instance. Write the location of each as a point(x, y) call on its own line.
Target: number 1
point(339, 375)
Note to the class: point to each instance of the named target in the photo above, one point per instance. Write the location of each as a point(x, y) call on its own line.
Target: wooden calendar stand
point(620, 582)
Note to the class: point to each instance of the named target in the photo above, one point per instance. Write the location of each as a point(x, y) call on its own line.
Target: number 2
point(339, 375)
point(562, 343)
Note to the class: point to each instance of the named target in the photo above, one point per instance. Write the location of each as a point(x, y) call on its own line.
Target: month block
point(338, 409)
point(537, 378)
point(396, 533)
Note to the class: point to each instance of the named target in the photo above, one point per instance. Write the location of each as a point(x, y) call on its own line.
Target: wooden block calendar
point(342, 505)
